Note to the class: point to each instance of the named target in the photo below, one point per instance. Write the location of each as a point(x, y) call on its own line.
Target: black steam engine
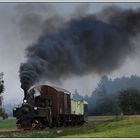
point(46, 106)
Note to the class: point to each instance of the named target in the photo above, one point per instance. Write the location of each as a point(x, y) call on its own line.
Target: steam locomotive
point(47, 106)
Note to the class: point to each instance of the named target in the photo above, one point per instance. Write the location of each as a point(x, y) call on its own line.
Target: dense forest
point(121, 95)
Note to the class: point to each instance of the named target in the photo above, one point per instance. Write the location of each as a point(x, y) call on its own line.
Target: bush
point(129, 101)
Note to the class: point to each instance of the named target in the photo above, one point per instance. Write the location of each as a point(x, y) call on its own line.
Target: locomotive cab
point(37, 99)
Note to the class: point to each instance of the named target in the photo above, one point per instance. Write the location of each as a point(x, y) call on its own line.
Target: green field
point(99, 127)
point(8, 124)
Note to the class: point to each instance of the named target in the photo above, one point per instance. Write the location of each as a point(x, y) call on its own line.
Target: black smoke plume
point(85, 45)
point(33, 19)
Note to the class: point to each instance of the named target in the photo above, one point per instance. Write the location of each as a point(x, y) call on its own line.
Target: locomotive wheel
point(18, 126)
point(40, 126)
point(34, 125)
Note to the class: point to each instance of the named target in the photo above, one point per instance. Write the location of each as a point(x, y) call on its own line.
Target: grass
point(125, 128)
point(98, 126)
point(8, 124)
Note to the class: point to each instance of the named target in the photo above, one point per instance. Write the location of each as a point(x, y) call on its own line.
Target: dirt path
point(9, 130)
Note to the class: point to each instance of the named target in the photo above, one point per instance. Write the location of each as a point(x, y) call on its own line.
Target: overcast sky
point(13, 42)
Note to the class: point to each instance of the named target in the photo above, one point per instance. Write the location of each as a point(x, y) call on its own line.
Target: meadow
point(97, 127)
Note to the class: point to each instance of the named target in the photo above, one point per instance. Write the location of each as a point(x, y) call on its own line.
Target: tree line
point(113, 97)
point(2, 111)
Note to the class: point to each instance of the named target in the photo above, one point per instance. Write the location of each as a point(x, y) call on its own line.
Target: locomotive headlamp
point(15, 109)
point(35, 108)
point(25, 101)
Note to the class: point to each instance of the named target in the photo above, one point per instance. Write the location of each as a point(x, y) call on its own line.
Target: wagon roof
point(56, 88)
point(61, 90)
point(85, 102)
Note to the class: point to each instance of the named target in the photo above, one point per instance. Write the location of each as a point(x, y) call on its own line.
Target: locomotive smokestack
point(85, 45)
point(25, 94)
point(25, 87)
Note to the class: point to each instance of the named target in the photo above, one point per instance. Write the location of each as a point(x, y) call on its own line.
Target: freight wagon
point(47, 106)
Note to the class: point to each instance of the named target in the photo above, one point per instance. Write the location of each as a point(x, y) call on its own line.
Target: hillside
point(97, 127)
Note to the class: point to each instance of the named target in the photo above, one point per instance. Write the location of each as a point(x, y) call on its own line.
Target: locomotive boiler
point(47, 106)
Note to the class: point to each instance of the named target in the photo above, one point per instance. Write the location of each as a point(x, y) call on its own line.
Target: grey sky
point(13, 43)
